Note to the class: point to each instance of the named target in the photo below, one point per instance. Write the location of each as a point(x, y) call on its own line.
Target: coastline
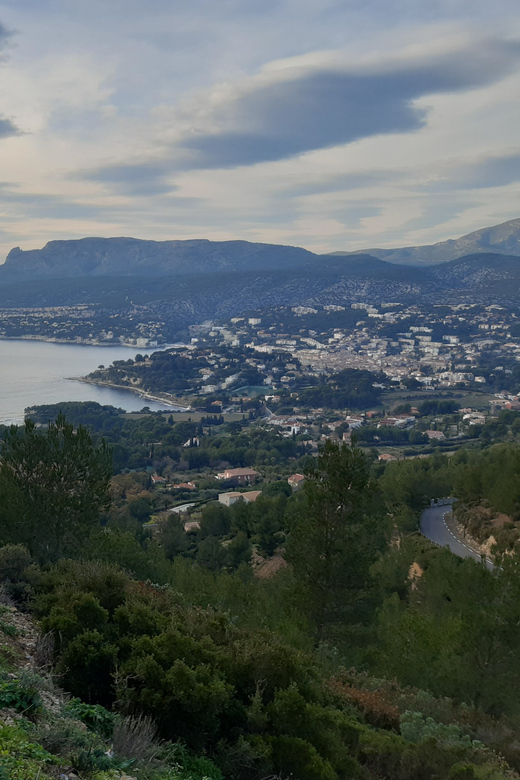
point(169, 400)
point(83, 342)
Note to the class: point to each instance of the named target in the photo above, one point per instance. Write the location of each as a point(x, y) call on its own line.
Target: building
point(251, 496)
point(435, 435)
point(156, 480)
point(296, 481)
point(228, 499)
point(242, 476)
point(184, 486)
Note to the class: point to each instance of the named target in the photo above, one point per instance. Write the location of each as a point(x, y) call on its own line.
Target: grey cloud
point(337, 106)
point(5, 34)
point(494, 172)
point(140, 179)
point(477, 174)
point(276, 117)
point(8, 128)
point(346, 182)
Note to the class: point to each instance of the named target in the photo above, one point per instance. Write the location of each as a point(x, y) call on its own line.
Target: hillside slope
point(497, 239)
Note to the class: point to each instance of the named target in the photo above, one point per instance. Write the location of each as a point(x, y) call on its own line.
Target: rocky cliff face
point(134, 257)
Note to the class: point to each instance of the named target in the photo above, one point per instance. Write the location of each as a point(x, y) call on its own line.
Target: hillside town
point(439, 346)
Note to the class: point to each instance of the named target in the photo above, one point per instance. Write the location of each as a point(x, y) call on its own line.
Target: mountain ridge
point(496, 239)
point(126, 256)
point(123, 256)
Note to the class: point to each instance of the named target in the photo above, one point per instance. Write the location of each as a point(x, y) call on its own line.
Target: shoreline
point(141, 393)
point(84, 342)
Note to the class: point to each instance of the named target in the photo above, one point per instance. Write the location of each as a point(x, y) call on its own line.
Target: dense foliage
point(351, 388)
point(248, 675)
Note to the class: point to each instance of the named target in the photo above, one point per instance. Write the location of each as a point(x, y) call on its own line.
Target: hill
point(176, 284)
point(497, 239)
point(93, 257)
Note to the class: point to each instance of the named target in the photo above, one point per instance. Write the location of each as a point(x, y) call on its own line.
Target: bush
point(14, 560)
point(416, 728)
point(135, 738)
point(21, 759)
point(20, 694)
point(95, 717)
point(65, 736)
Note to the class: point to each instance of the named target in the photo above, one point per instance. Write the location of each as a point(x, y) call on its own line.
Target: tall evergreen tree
point(53, 487)
point(335, 538)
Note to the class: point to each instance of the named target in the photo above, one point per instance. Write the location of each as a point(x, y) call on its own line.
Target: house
point(296, 481)
point(435, 435)
point(251, 495)
point(228, 499)
point(242, 476)
point(184, 486)
point(157, 480)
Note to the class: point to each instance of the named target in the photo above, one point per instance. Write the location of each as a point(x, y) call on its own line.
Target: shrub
point(189, 765)
point(20, 694)
point(135, 738)
point(416, 728)
point(14, 560)
point(21, 759)
point(95, 717)
point(65, 736)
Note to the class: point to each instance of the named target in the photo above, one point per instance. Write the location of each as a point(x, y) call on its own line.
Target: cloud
point(141, 178)
point(8, 128)
point(496, 171)
point(5, 34)
point(295, 110)
point(313, 102)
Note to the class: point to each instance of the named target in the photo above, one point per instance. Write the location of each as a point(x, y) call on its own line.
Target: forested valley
point(312, 634)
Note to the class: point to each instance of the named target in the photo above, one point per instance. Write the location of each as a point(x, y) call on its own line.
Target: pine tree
point(335, 538)
point(53, 487)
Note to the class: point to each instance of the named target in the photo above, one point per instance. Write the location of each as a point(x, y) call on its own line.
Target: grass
point(473, 398)
point(189, 416)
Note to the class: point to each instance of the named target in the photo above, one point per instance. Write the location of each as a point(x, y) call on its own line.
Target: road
point(434, 527)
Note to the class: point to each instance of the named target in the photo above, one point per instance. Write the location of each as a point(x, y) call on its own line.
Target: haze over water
point(35, 372)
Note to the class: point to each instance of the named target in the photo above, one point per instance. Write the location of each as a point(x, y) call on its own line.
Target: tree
point(216, 520)
point(53, 487)
point(457, 633)
point(336, 537)
point(211, 555)
point(267, 521)
point(173, 537)
point(238, 551)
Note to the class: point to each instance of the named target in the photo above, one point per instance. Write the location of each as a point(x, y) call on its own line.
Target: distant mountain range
point(501, 239)
point(186, 282)
point(116, 257)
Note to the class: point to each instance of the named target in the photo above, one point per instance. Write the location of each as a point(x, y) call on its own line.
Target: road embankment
point(434, 526)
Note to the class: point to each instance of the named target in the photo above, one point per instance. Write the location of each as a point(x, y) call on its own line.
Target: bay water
point(36, 372)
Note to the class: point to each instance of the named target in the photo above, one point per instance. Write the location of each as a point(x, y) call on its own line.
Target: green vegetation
point(370, 654)
point(350, 388)
point(52, 487)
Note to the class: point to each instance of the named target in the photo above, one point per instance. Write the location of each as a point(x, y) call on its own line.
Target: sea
point(39, 372)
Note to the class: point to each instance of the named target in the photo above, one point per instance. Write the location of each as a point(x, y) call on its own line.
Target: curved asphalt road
point(434, 527)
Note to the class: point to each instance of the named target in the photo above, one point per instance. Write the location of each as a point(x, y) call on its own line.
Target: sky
point(328, 124)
